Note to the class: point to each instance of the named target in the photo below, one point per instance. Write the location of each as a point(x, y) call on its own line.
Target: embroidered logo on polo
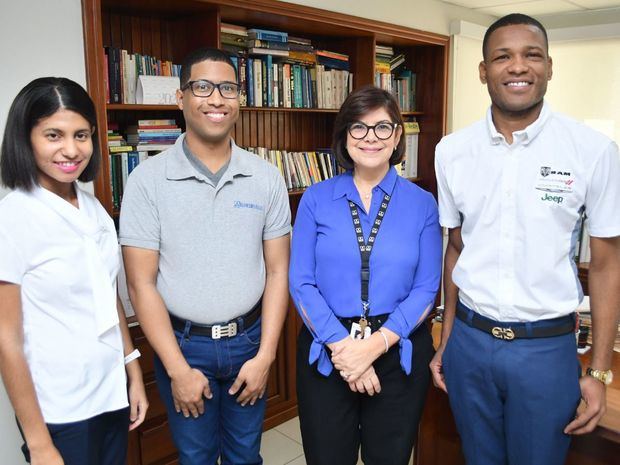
point(553, 198)
point(252, 206)
point(556, 181)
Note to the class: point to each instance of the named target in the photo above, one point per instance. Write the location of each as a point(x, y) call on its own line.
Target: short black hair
point(359, 103)
point(199, 55)
point(39, 99)
point(513, 19)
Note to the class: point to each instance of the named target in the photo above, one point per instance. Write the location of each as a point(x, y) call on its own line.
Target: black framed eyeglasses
point(383, 130)
point(204, 88)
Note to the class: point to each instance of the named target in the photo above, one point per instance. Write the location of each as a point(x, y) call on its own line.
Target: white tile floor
point(282, 445)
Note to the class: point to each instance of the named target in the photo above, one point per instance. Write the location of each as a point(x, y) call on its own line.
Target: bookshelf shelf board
point(412, 113)
point(291, 110)
point(136, 107)
point(296, 192)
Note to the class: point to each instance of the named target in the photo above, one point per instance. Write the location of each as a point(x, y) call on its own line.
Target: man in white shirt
point(512, 189)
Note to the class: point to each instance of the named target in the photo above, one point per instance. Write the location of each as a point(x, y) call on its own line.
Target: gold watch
point(605, 377)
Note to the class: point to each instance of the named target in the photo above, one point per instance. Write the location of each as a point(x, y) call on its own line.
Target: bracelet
point(132, 356)
point(387, 345)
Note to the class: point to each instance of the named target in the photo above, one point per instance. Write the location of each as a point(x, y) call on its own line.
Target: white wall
point(586, 83)
point(468, 97)
point(37, 38)
point(427, 15)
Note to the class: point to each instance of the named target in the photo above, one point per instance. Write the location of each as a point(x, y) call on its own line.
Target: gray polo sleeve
point(139, 221)
point(278, 218)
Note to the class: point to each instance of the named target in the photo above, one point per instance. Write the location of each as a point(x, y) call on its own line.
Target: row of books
point(154, 134)
point(265, 83)
point(278, 70)
point(300, 169)
point(392, 75)
point(121, 166)
point(122, 70)
point(148, 137)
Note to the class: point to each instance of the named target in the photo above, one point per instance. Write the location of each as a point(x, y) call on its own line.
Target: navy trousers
point(512, 399)
point(101, 440)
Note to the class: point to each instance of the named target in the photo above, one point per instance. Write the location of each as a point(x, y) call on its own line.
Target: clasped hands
point(353, 358)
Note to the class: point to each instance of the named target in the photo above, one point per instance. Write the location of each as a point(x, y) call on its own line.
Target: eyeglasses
point(204, 88)
point(383, 131)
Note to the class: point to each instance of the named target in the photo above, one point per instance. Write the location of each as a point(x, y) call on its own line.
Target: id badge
point(356, 332)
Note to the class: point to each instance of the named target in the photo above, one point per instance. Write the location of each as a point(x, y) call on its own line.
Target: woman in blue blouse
point(365, 269)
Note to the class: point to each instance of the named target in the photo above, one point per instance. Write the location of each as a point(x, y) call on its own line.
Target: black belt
point(375, 322)
point(509, 331)
point(229, 329)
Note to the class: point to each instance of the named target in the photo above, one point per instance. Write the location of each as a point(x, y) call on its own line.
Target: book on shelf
point(147, 138)
point(121, 166)
point(392, 75)
point(411, 132)
point(161, 133)
point(233, 29)
point(266, 44)
point(123, 70)
point(300, 169)
point(264, 34)
point(280, 71)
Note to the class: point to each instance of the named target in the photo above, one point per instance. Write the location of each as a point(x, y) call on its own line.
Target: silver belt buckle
point(220, 331)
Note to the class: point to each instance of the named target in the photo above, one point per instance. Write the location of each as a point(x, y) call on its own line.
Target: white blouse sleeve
point(12, 263)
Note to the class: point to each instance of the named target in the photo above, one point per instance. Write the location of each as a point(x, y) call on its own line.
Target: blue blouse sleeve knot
point(318, 352)
point(406, 354)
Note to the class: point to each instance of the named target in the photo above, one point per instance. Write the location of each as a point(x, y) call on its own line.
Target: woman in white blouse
point(66, 355)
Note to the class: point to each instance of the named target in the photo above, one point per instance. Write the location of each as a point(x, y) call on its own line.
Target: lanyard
point(365, 249)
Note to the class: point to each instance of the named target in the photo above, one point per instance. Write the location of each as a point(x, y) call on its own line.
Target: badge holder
point(358, 333)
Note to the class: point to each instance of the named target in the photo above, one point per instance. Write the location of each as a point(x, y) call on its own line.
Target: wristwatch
point(605, 377)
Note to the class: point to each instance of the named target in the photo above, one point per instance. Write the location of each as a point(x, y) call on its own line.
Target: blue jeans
point(511, 399)
point(226, 430)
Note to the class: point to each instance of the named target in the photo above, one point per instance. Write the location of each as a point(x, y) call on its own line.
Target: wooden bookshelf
point(169, 29)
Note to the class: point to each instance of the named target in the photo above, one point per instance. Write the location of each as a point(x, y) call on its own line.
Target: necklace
point(363, 193)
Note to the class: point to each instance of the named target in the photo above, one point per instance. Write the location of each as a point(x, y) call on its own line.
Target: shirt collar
point(524, 136)
point(345, 187)
point(179, 167)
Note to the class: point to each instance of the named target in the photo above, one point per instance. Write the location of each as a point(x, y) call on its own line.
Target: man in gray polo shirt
point(205, 233)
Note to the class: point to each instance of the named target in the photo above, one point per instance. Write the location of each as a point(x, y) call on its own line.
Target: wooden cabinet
point(169, 29)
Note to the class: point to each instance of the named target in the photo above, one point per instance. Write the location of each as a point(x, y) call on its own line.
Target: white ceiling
point(534, 7)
